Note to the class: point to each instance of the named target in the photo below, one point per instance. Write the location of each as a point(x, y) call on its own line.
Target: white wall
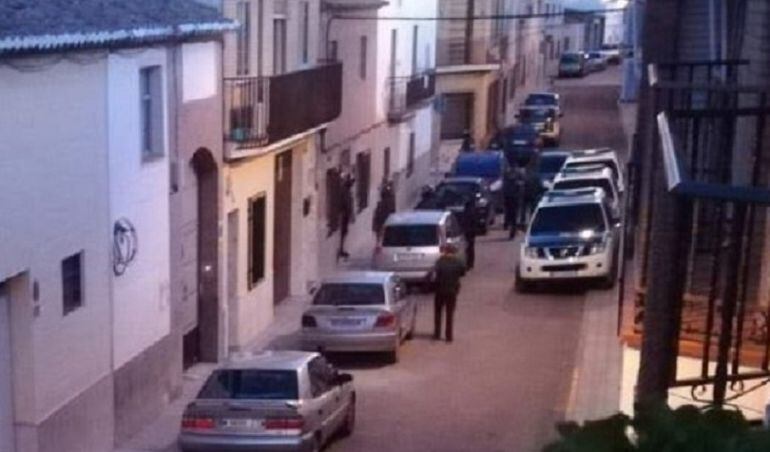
point(54, 203)
point(139, 192)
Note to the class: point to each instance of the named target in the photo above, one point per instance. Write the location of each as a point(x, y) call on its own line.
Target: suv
point(411, 243)
point(454, 192)
point(602, 156)
point(572, 64)
point(548, 100)
point(598, 176)
point(571, 236)
point(544, 120)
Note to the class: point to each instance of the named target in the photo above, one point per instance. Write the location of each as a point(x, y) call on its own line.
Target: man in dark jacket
point(346, 213)
point(449, 270)
point(533, 190)
point(385, 207)
point(470, 223)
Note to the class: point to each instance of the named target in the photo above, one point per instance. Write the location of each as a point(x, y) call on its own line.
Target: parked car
point(571, 236)
point(544, 120)
point(454, 192)
point(359, 312)
point(598, 176)
point(596, 61)
point(411, 243)
point(281, 400)
point(547, 100)
point(490, 165)
point(549, 164)
point(603, 156)
point(613, 53)
point(572, 64)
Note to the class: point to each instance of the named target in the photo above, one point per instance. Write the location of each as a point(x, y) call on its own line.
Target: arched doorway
point(201, 342)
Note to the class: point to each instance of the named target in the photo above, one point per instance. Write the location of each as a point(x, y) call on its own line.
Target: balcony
point(406, 93)
point(264, 110)
point(458, 51)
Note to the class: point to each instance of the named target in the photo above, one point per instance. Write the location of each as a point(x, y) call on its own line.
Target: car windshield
point(534, 115)
point(350, 294)
point(568, 220)
point(604, 184)
point(251, 384)
point(540, 99)
point(411, 235)
point(609, 163)
point(549, 164)
point(464, 189)
point(570, 58)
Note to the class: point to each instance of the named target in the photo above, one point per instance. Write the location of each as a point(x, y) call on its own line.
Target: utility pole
point(669, 220)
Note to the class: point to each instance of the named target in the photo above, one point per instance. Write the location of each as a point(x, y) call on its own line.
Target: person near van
point(469, 225)
point(346, 213)
point(533, 190)
point(467, 144)
point(385, 206)
point(449, 269)
point(512, 194)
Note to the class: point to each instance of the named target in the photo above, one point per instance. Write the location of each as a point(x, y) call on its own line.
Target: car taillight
point(288, 425)
point(308, 321)
point(385, 320)
point(197, 423)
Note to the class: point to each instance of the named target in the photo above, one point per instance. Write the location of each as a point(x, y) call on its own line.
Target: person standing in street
point(467, 144)
point(533, 190)
point(470, 224)
point(512, 186)
point(449, 270)
point(385, 206)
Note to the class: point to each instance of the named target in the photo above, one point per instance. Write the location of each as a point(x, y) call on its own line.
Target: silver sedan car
point(360, 312)
point(274, 401)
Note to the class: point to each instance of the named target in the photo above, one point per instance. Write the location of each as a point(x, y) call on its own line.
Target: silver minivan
point(411, 243)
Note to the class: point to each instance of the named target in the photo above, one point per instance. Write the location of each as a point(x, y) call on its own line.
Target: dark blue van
point(490, 165)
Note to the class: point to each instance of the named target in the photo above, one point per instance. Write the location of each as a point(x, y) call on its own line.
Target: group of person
point(522, 189)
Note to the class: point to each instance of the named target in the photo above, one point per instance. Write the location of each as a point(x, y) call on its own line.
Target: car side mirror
point(343, 378)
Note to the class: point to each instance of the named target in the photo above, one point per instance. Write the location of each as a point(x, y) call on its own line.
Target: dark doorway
point(201, 343)
point(282, 227)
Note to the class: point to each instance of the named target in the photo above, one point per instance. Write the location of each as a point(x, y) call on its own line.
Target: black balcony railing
point(264, 110)
point(708, 147)
point(406, 93)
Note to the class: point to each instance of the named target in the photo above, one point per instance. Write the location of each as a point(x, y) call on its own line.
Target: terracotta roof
point(28, 26)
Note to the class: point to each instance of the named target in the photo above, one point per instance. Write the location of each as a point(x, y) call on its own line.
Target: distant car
point(454, 192)
point(594, 176)
point(596, 61)
point(550, 164)
point(571, 236)
point(360, 312)
point(489, 165)
point(545, 121)
point(282, 400)
point(572, 64)
point(612, 56)
point(549, 100)
point(411, 243)
point(603, 156)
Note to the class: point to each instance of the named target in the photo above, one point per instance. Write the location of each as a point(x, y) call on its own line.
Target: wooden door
point(282, 227)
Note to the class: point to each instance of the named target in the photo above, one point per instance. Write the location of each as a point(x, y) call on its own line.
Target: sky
point(593, 4)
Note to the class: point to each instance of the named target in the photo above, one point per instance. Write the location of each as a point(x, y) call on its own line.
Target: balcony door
point(6, 395)
point(279, 46)
point(282, 227)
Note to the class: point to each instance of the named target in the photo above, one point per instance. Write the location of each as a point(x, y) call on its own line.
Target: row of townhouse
point(171, 170)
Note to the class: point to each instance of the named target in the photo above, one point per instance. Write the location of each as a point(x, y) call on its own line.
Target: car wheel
point(393, 355)
point(350, 418)
point(521, 285)
point(609, 281)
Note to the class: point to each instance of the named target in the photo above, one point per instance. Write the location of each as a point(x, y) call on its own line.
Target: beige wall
point(471, 82)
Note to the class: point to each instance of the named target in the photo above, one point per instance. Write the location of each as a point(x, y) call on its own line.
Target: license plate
point(519, 142)
point(347, 322)
point(408, 256)
point(565, 274)
point(245, 423)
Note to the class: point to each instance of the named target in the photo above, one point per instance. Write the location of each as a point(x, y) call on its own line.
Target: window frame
point(151, 124)
point(243, 38)
point(305, 30)
point(411, 155)
point(363, 53)
point(72, 306)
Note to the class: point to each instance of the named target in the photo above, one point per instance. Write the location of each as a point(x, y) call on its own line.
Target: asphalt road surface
point(505, 380)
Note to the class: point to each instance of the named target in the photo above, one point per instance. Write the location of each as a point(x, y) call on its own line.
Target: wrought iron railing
point(405, 93)
point(264, 110)
point(708, 144)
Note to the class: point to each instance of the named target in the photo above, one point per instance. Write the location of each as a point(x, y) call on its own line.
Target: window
point(410, 156)
point(566, 44)
point(243, 37)
point(350, 294)
point(256, 239)
point(251, 384)
point(386, 164)
point(333, 193)
point(457, 115)
point(411, 235)
point(362, 60)
point(364, 170)
point(72, 282)
point(279, 46)
point(305, 32)
point(321, 376)
point(415, 31)
point(568, 219)
point(151, 112)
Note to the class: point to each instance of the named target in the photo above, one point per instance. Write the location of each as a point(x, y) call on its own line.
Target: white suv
point(598, 176)
point(571, 236)
point(600, 156)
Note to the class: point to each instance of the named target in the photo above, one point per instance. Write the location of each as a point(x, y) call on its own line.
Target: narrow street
point(505, 380)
